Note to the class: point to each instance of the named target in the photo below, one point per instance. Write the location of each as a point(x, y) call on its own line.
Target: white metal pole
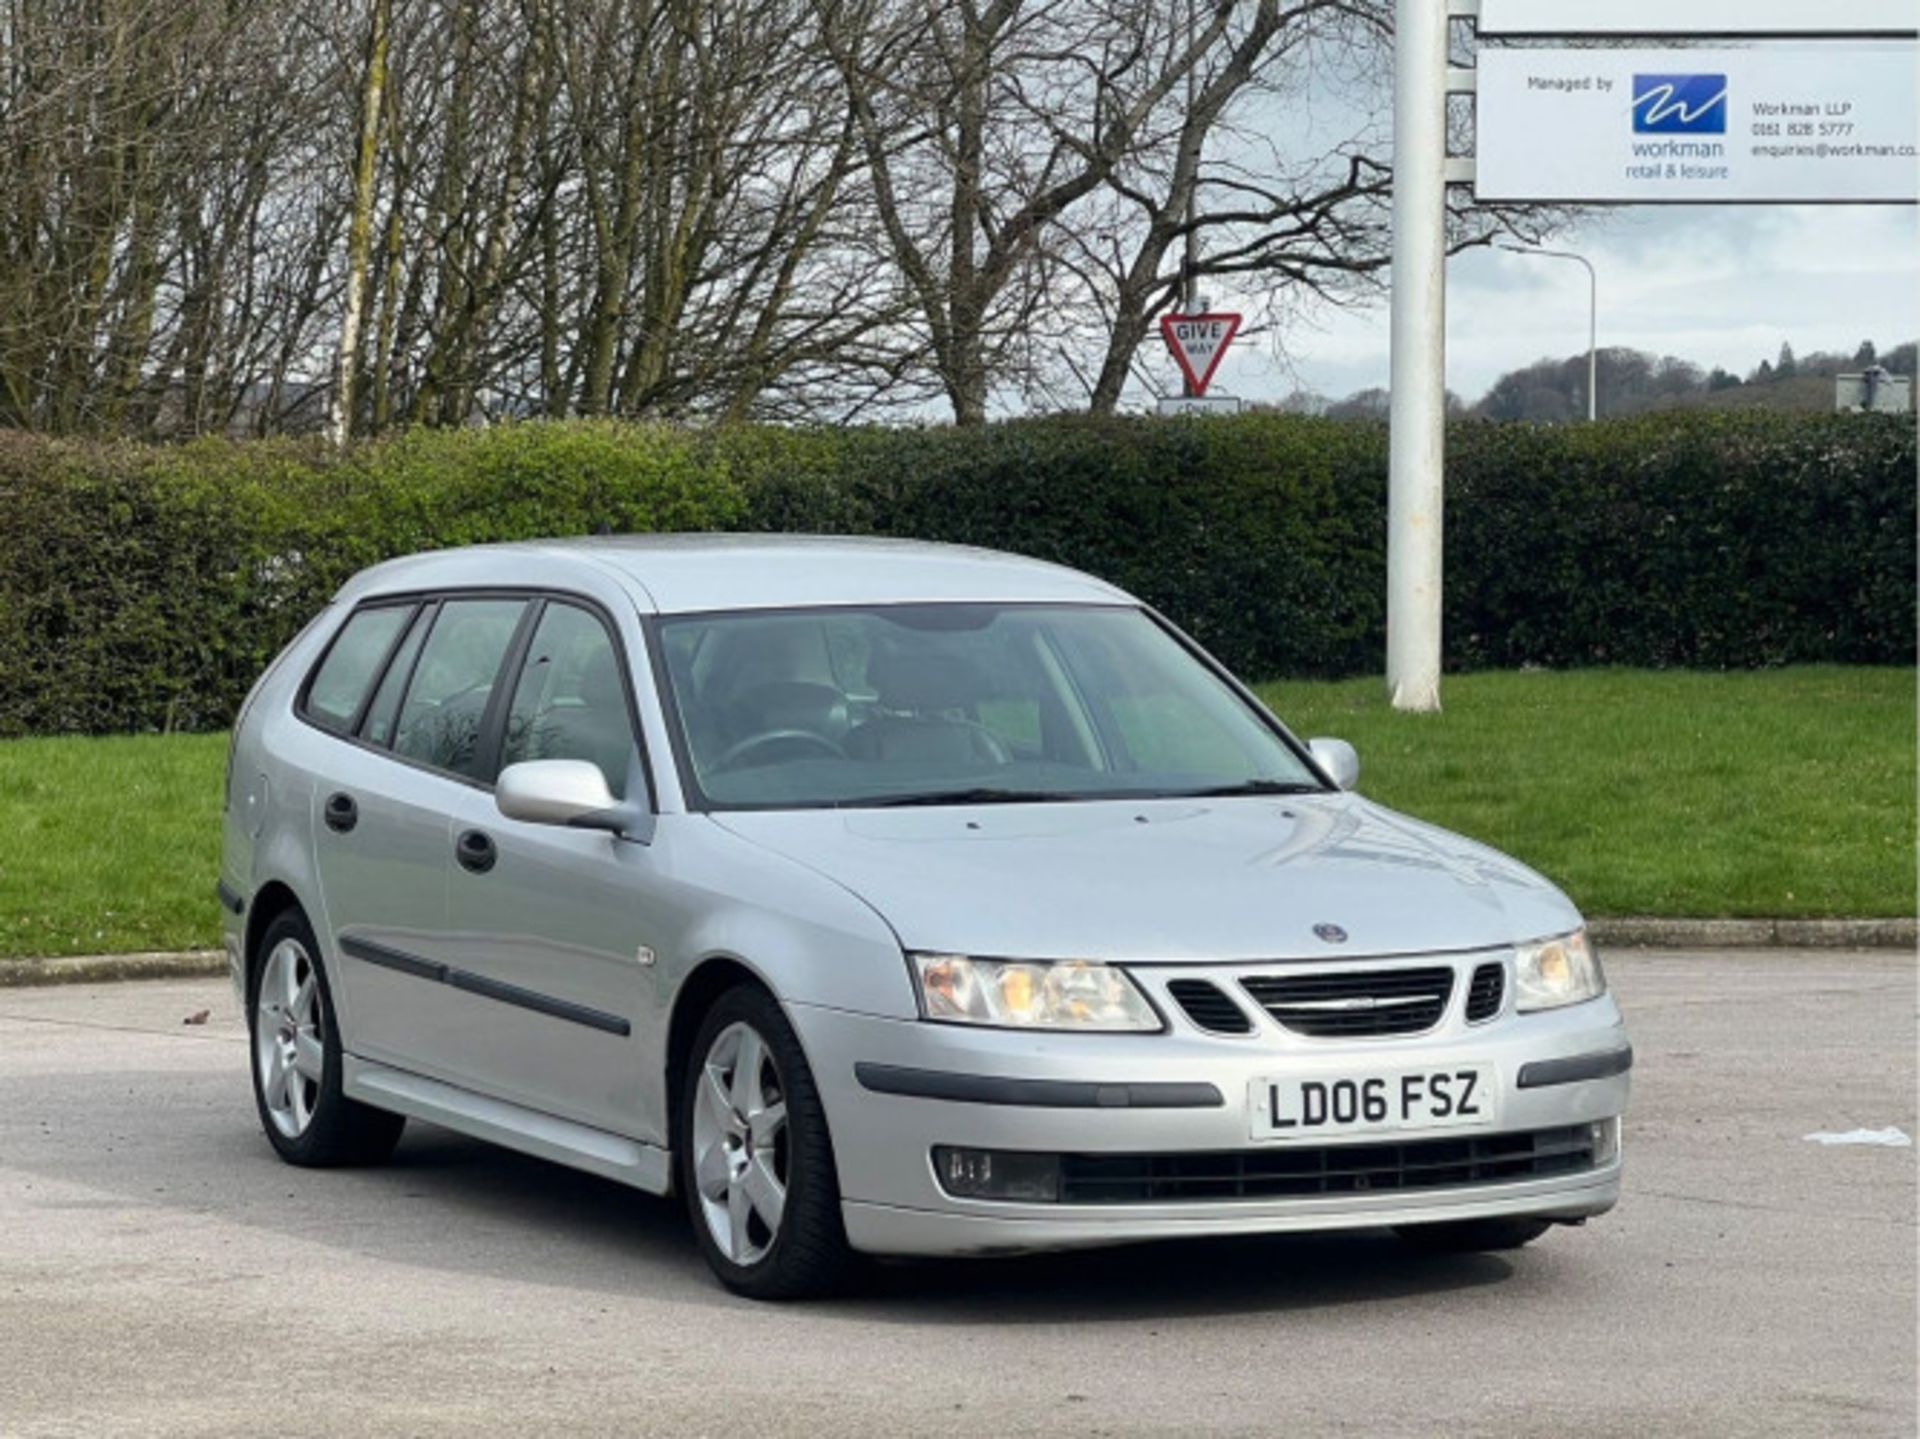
point(1189, 280)
point(1417, 443)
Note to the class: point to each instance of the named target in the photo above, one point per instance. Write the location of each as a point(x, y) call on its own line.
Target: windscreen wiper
point(983, 794)
point(1256, 787)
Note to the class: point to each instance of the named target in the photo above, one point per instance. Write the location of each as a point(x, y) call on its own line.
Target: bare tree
point(1236, 194)
point(1214, 198)
point(366, 164)
point(156, 222)
point(983, 128)
point(259, 215)
point(250, 213)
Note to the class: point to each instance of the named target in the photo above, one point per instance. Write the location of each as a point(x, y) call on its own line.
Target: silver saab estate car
point(888, 898)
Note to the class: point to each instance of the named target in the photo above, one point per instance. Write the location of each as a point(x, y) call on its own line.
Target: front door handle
point(342, 813)
point(475, 851)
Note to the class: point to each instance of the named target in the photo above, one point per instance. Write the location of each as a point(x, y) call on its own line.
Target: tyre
point(1474, 1236)
point(295, 1043)
point(756, 1162)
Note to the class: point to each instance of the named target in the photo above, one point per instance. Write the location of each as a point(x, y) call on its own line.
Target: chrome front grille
point(1486, 992)
point(1346, 1004)
point(1209, 1007)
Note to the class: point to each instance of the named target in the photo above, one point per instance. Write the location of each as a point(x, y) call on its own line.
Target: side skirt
point(611, 1156)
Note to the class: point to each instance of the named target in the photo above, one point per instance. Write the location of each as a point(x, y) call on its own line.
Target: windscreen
point(957, 703)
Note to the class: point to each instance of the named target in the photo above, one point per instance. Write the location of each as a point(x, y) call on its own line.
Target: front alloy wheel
point(756, 1162)
point(740, 1153)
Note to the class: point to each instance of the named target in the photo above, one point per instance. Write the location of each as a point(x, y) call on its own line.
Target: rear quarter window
point(352, 662)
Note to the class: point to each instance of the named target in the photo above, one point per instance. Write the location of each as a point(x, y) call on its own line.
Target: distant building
point(1874, 391)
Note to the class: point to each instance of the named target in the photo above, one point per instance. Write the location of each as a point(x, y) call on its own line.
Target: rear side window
point(339, 687)
point(442, 717)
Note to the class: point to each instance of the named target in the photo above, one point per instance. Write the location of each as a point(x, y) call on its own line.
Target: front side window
point(571, 702)
point(952, 703)
point(446, 702)
point(339, 687)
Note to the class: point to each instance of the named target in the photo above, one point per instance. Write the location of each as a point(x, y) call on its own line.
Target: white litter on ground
point(1890, 1138)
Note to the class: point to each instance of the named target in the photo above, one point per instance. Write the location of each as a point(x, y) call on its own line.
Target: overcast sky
point(1718, 285)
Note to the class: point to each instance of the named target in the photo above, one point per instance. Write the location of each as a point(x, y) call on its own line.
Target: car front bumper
point(1137, 1094)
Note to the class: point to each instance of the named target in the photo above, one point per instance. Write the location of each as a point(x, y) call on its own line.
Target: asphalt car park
point(162, 1272)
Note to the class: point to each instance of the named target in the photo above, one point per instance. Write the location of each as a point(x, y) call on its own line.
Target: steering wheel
point(737, 752)
point(995, 748)
point(991, 745)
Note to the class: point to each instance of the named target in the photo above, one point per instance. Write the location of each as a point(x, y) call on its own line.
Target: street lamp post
point(1593, 319)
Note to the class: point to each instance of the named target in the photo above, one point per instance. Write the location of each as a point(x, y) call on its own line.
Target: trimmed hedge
point(1728, 540)
point(1263, 536)
point(1734, 541)
point(143, 587)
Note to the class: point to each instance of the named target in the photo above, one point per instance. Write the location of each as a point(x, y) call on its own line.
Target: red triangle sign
point(1199, 343)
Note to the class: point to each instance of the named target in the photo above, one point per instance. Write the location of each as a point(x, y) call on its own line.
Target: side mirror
point(571, 793)
point(1337, 759)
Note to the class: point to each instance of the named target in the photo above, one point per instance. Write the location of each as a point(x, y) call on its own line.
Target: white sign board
point(1698, 17)
point(1200, 405)
point(1698, 126)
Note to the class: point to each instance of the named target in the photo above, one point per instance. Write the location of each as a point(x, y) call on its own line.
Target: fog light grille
point(1296, 1171)
point(1276, 1172)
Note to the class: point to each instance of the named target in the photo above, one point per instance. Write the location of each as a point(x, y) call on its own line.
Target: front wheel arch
point(697, 993)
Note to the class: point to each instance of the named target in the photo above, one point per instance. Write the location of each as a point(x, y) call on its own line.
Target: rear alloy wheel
point(297, 1059)
point(289, 1045)
point(1474, 1236)
point(756, 1162)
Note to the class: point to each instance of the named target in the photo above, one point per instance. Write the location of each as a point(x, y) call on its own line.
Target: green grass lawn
point(109, 844)
point(1783, 793)
point(1787, 793)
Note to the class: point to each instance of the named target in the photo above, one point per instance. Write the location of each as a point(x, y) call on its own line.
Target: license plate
point(1320, 1106)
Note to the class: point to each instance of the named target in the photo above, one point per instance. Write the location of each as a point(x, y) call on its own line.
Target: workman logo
point(1679, 104)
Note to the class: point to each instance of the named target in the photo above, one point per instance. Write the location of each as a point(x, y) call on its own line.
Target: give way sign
point(1199, 343)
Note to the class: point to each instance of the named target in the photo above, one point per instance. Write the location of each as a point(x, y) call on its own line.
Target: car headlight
point(1553, 972)
point(1030, 994)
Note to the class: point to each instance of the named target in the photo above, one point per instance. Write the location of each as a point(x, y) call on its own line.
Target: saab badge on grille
point(1331, 933)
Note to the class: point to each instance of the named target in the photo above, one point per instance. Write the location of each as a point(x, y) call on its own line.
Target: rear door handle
point(475, 851)
point(342, 813)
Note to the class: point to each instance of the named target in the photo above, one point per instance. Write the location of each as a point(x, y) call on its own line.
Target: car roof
point(686, 573)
